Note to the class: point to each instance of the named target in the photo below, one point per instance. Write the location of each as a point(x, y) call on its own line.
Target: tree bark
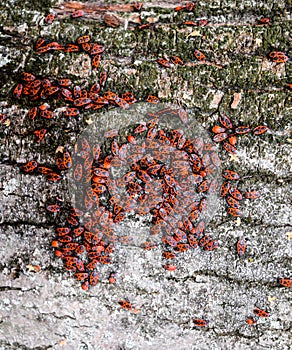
point(41, 306)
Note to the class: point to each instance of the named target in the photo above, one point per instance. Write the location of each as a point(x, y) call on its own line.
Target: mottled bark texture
point(47, 309)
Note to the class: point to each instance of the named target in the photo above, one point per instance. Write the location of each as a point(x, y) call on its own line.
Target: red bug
point(235, 193)
point(251, 194)
point(233, 203)
point(78, 231)
point(232, 140)
point(211, 245)
point(250, 321)
point(95, 88)
point(102, 78)
point(129, 97)
point(167, 240)
point(152, 99)
point(76, 212)
point(199, 322)
point(30, 166)
point(240, 246)
point(140, 128)
point(77, 91)
point(86, 47)
point(82, 101)
point(17, 91)
point(47, 114)
point(53, 208)
point(93, 278)
point(71, 112)
point(189, 23)
point(178, 234)
point(81, 276)
point(52, 90)
point(202, 22)
point(259, 130)
point(112, 278)
point(77, 14)
point(176, 60)
point(179, 8)
point(71, 48)
point(230, 175)
point(224, 189)
point(131, 139)
point(192, 241)
point(49, 19)
point(96, 49)
point(220, 137)
point(199, 229)
point(199, 55)
point(218, 129)
point(181, 247)
point(85, 284)
point(260, 313)
point(53, 177)
point(78, 171)
point(111, 96)
point(204, 240)
point(39, 134)
point(234, 212)
point(46, 83)
point(83, 39)
point(32, 113)
point(64, 82)
point(168, 255)
point(229, 148)
point(225, 121)
point(62, 231)
point(121, 103)
point(242, 130)
point(28, 77)
point(163, 62)
point(126, 305)
point(55, 244)
point(189, 6)
point(204, 186)
point(34, 84)
point(264, 20)
point(95, 61)
point(169, 267)
point(285, 282)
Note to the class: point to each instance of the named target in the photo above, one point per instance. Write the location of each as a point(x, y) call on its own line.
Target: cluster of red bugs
point(178, 61)
point(50, 17)
point(175, 196)
point(44, 89)
point(83, 44)
point(150, 186)
point(227, 133)
point(278, 57)
point(259, 313)
point(203, 22)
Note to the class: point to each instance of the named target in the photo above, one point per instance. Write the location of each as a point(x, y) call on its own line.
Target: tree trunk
point(42, 306)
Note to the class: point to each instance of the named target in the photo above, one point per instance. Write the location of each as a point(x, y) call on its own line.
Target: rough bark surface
point(47, 309)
